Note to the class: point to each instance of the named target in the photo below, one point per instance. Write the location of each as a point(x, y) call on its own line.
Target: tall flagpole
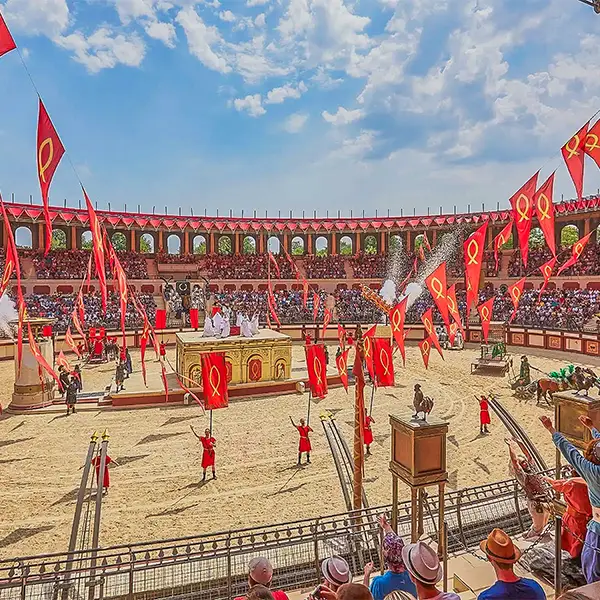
point(211, 423)
point(359, 411)
point(308, 411)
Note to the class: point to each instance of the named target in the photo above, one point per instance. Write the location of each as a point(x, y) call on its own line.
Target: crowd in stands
point(369, 266)
point(588, 263)
point(325, 267)
point(245, 266)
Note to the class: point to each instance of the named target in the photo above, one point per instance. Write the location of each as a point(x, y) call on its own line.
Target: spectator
point(325, 267)
point(354, 591)
point(396, 576)
point(259, 592)
point(425, 570)
point(503, 554)
point(260, 573)
point(336, 573)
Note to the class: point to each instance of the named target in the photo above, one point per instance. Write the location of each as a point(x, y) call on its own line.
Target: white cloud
point(343, 116)
point(295, 123)
point(261, 20)
point(227, 16)
point(47, 17)
point(130, 10)
point(356, 148)
point(165, 32)
point(256, 2)
point(280, 94)
point(251, 104)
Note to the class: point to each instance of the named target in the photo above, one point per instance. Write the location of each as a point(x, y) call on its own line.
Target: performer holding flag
point(304, 445)
point(208, 451)
point(368, 432)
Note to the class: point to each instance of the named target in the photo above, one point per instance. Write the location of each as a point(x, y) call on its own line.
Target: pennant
point(275, 265)
point(160, 319)
point(574, 154)
point(368, 352)
point(501, 239)
point(342, 336)
point(316, 304)
point(421, 253)
point(317, 370)
point(292, 263)
point(78, 327)
point(384, 364)
point(9, 269)
point(577, 251)
point(305, 293)
point(35, 350)
point(452, 331)
point(341, 362)
point(436, 284)
point(473, 252)
point(546, 270)
point(425, 348)
point(63, 362)
point(522, 206)
point(71, 342)
point(272, 305)
point(544, 209)
point(98, 247)
point(592, 143)
point(426, 241)
point(214, 380)
point(427, 319)
point(121, 278)
point(194, 318)
point(163, 375)
point(327, 316)
point(7, 43)
point(410, 274)
point(485, 310)
point(515, 291)
point(359, 392)
point(397, 319)
point(453, 307)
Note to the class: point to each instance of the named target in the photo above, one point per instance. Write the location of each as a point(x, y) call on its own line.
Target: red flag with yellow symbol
point(327, 316)
point(98, 248)
point(546, 270)
point(316, 304)
point(317, 369)
point(577, 251)
point(214, 380)
point(397, 320)
point(573, 153)
point(485, 310)
point(522, 206)
point(515, 291)
point(384, 364)
point(341, 336)
point(452, 330)
point(368, 351)
point(62, 361)
point(453, 307)
point(341, 362)
point(436, 284)
point(501, 239)
point(544, 210)
point(9, 269)
point(49, 153)
point(425, 348)
point(473, 253)
point(592, 143)
point(71, 342)
point(427, 318)
point(7, 43)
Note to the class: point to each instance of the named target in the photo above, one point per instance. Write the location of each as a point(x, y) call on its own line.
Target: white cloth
point(218, 324)
point(226, 329)
point(238, 320)
point(208, 328)
point(254, 324)
point(246, 328)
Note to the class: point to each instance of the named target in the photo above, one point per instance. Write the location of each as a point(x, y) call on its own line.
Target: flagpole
point(359, 403)
point(211, 423)
point(308, 412)
point(372, 397)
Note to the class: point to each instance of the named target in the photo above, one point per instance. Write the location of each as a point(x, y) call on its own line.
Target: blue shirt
point(524, 589)
point(389, 582)
point(588, 470)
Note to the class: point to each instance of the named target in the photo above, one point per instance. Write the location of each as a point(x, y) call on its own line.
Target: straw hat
point(500, 548)
point(336, 570)
point(422, 562)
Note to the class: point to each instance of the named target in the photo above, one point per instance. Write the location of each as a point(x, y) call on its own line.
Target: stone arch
point(569, 234)
point(199, 245)
point(346, 245)
point(254, 368)
point(396, 243)
point(419, 240)
point(274, 245)
point(174, 244)
point(322, 246)
point(59, 239)
point(298, 246)
point(23, 237)
point(85, 238)
point(249, 245)
point(119, 241)
point(536, 238)
point(224, 245)
point(370, 245)
point(147, 243)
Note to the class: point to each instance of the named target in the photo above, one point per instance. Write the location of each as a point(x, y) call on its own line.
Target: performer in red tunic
point(162, 350)
point(106, 477)
point(484, 415)
point(304, 445)
point(208, 452)
point(368, 432)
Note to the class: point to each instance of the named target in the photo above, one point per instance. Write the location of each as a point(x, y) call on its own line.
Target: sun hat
point(336, 570)
point(261, 570)
point(499, 547)
point(422, 562)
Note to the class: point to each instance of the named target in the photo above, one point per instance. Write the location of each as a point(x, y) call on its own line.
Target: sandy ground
point(155, 492)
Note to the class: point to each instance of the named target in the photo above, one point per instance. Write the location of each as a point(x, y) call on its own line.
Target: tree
point(59, 240)
point(119, 241)
point(510, 243)
point(297, 247)
point(395, 243)
point(249, 245)
point(224, 245)
point(345, 247)
point(145, 246)
point(370, 245)
point(200, 246)
point(536, 238)
point(569, 235)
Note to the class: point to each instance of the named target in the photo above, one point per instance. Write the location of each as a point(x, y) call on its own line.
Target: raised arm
point(587, 422)
point(193, 431)
point(292, 421)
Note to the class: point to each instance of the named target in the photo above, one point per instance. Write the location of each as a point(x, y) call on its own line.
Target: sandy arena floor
point(155, 492)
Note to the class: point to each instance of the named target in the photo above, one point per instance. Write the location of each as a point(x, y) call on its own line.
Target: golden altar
point(266, 356)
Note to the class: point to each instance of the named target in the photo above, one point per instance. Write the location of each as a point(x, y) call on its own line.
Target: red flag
point(426, 241)
point(384, 365)
point(574, 155)
point(368, 351)
point(427, 318)
point(421, 253)
point(359, 389)
point(436, 284)
point(410, 274)
point(75, 320)
point(397, 318)
point(305, 292)
point(143, 344)
point(453, 307)
point(515, 292)
point(341, 362)
point(546, 270)
point(501, 239)
point(49, 152)
point(194, 318)
point(425, 348)
point(577, 251)
point(342, 336)
point(71, 342)
point(119, 275)
point(316, 303)
point(214, 380)
point(98, 248)
point(592, 143)
point(544, 209)
point(7, 43)
point(485, 310)
point(317, 370)
point(163, 374)
point(522, 206)
point(272, 304)
point(35, 350)
point(326, 320)
point(452, 332)
point(292, 263)
point(62, 361)
point(272, 259)
point(473, 251)
point(9, 269)
point(160, 319)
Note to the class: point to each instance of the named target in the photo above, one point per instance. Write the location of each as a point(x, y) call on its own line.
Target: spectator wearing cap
point(396, 577)
point(260, 573)
point(503, 554)
point(425, 570)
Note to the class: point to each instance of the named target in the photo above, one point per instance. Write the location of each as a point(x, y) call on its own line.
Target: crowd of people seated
point(588, 263)
point(245, 266)
point(325, 267)
point(369, 266)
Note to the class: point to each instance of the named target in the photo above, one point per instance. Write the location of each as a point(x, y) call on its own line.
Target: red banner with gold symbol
point(425, 348)
point(341, 362)
point(49, 152)
point(515, 291)
point(317, 369)
point(473, 251)
point(98, 248)
point(452, 330)
point(214, 380)
point(62, 361)
point(546, 270)
point(368, 351)
point(397, 319)
point(327, 316)
point(485, 310)
point(453, 307)
point(341, 336)
point(316, 304)
point(427, 318)
point(436, 284)
point(501, 239)
point(592, 143)
point(522, 206)
point(71, 342)
point(574, 154)
point(577, 251)
point(544, 210)
point(7, 43)
point(384, 364)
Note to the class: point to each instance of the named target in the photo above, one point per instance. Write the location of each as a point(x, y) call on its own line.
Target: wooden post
point(359, 403)
point(414, 514)
point(394, 503)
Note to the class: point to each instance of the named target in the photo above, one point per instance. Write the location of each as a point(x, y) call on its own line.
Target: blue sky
point(298, 105)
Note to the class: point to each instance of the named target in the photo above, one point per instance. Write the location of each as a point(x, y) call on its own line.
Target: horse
point(590, 379)
point(548, 386)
